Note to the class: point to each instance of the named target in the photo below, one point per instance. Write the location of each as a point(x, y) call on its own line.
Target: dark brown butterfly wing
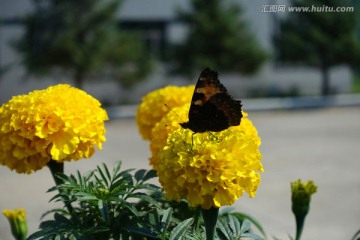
point(212, 108)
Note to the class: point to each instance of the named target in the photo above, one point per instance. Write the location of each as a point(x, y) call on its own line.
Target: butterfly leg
point(213, 135)
point(192, 140)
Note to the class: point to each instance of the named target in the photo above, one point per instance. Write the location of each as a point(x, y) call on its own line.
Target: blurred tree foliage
point(218, 39)
point(322, 39)
point(83, 38)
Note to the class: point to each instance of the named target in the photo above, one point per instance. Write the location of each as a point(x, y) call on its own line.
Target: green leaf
point(81, 196)
point(103, 208)
point(149, 175)
point(243, 216)
point(117, 167)
point(166, 218)
point(154, 219)
point(222, 230)
point(107, 171)
point(139, 175)
point(144, 232)
point(127, 205)
point(87, 176)
point(61, 219)
point(356, 236)
point(80, 180)
point(234, 225)
point(56, 210)
point(251, 236)
point(146, 198)
point(103, 177)
point(245, 226)
point(181, 229)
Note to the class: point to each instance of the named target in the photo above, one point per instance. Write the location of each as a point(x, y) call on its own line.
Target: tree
point(320, 38)
point(83, 38)
point(218, 39)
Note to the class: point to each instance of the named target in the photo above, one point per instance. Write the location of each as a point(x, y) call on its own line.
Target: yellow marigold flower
point(152, 108)
point(160, 132)
point(62, 123)
point(215, 169)
point(17, 220)
point(170, 122)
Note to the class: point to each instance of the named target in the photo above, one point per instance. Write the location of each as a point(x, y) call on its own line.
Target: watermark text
point(274, 8)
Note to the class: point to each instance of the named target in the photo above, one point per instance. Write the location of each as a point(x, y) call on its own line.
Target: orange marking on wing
point(208, 92)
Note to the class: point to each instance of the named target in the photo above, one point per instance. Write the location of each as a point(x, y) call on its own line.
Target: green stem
point(196, 219)
point(299, 226)
point(55, 168)
point(210, 217)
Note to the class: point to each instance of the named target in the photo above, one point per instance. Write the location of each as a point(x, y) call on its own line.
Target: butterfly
point(212, 108)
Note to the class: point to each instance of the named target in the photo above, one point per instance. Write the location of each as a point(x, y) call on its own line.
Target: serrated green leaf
point(181, 229)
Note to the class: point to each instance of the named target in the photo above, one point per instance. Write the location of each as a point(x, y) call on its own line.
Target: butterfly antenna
point(210, 133)
point(173, 112)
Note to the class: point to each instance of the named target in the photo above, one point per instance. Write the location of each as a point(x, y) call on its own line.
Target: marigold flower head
point(61, 123)
point(160, 132)
point(17, 220)
point(152, 108)
point(211, 169)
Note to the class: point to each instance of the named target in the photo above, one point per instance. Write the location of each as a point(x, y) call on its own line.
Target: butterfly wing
point(207, 86)
point(212, 108)
point(228, 107)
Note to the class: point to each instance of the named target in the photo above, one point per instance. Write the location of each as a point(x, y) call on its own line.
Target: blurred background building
point(157, 24)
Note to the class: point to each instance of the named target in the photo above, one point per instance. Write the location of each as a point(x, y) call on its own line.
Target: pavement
point(321, 144)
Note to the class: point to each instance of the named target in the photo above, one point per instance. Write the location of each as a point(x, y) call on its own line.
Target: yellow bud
point(17, 220)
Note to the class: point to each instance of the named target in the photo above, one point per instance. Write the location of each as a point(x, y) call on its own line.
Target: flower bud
point(301, 197)
point(17, 219)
